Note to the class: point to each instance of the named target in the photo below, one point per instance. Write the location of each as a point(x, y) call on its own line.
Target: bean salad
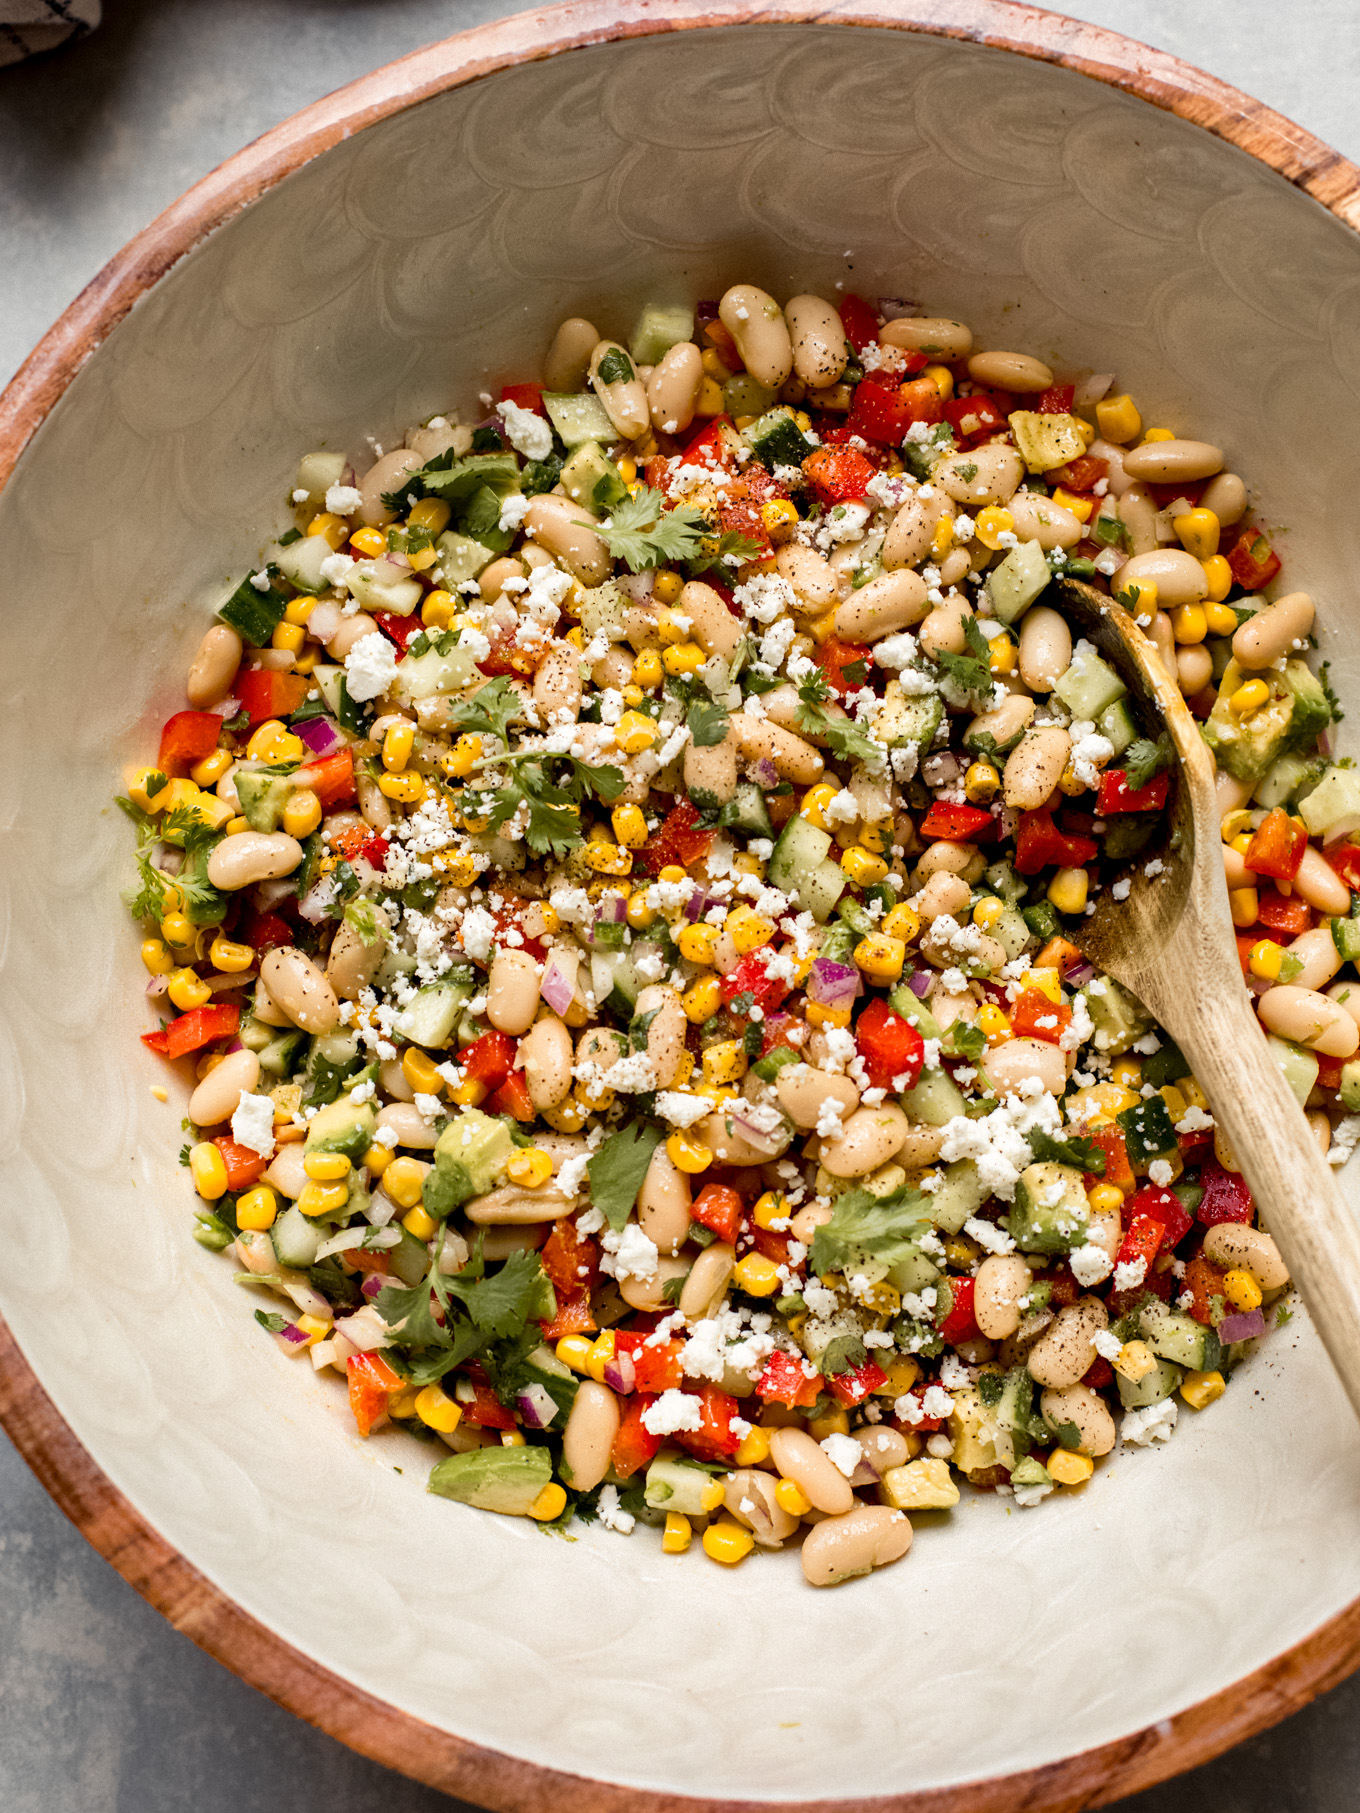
point(618, 883)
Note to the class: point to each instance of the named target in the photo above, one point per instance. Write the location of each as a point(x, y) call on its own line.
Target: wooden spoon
point(1171, 943)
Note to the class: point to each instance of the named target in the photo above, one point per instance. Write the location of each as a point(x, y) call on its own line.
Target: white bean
point(1317, 952)
point(213, 668)
point(983, 475)
point(927, 334)
point(1309, 1019)
point(545, 1054)
point(1320, 885)
point(1045, 648)
point(564, 529)
point(1005, 722)
point(1002, 1280)
point(1230, 1244)
point(1173, 462)
point(912, 530)
point(711, 623)
point(802, 1091)
point(793, 758)
point(512, 991)
point(1015, 372)
point(893, 601)
point(1038, 518)
point(557, 685)
point(385, 474)
point(624, 399)
point(588, 1438)
point(409, 1125)
point(1226, 496)
point(666, 1032)
point(703, 1292)
point(811, 1469)
point(1034, 767)
point(816, 584)
point(868, 1537)
point(245, 857)
point(568, 358)
point(820, 349)
point(1178, 576)
point(756, 323)
point(868, 1139)
point(750, 1498)
point(674, 386)
point(1009, 1065)
point(664, 1203)
point(1079, 1405)
point(218, 1096)
point(299, 989)
point(1066, 1350)
point(1280, 629)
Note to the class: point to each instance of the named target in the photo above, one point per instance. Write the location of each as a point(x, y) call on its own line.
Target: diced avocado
point(1296, 1063)
point(1002, 880)
point(508, 1480)
point(746, 811)
point(346, 1127)
point(1030, 1472)
point(460, 558)
point(1046, 441)
point(1015, 1406)
point(1118, 723)
point(973, 1430)
point(263, 797)
point(1167, 1064)
point(925, 1484)
point(469, 1159)
point(1350, 1086)
point(903, 720)
point(579, 418)
point(922, 457)
point(676, 1485)
point(658, 328)
point(1148, 1132)
point(425, 676)
point(1050, 1213)
point(1015, 582)
point(1120, 1019)
point(1332, 809)
point(778, 440)
point(1246, 747)
point(1137, 1394)
point(961, 1194)
point(935, 1100)
point(604, 607)
point(1287, 781)
point(1128, 833)
point(1176, 1337)
point(1312, 709)
point(1089, 684)
point(331, 1057)
point(912, 1271)
point(296, 1239)
point(591, 479)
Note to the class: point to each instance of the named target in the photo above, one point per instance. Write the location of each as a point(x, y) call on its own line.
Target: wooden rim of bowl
point(109, 1521)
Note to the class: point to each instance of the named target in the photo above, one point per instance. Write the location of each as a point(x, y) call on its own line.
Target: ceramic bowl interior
point(422, 261)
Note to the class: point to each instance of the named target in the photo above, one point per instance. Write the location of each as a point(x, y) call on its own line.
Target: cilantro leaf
point(643, 532)
point(1068, 1434)
point(730, 549)
point(708, 723)
point(500, 1303)
point(553, 804)
point(887, 1228)
point(616, 1171)
point(615, 367)
point(844, 737)
point(1085, 1154)
point(271, 1320)
point(964, 1041)
point(971, 673)
point(843, 1354)
point(410, 1317)
point(493, 709)
point(1144, 759)
point(1333, 703)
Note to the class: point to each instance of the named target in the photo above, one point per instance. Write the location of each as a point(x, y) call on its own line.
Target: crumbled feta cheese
point(611, 1514)
point(343, 500)
point(672, 1412)
point(843, 1451)
point(1161, 1172)
point(628, 1253)
point(252, 1124)
point(988, 1236)
point(682, 1109)
point(1140, 1428)
point(1108, 1346)
point(370, 667)
point(1089, 1264)
point(527, 432)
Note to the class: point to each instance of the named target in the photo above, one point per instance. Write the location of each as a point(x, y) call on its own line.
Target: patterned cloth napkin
point(28, 26)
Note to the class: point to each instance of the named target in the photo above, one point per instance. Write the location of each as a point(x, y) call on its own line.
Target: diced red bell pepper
point(1060, 954)
point(513, 1098)
point(486, 1411)
point(838, 475)
point(1246, 941)
point(634, 1445)
point(1283, 913)
point(1118, 1171)
point(571, 1259)
point(752, 976)
point(525, 396)
point(718, 1207)
point(774, 1246)
point(574, 1316)
point(1143, 1239)
point(1165, 495)
point(266, 693)
point(715, 1438)
point(977, 417)
point(655, 1368)
point(851, 1388)
point(1204, 1281)
point(1163, 1206)
point(199, 1027)
point(883, 408)
point(921, 399)
point(332, 779)
point(400, 631)
point(1056, 400)
point(267, 932)
point(1098, 1374)
point(834, 656)
point(711, 446)
point(187, 739)
point(244, 1166)
point(1329, 1072)
point(720, 338)
point(1253, 562)
point(859, 321)
point(956, 822)
point(1079, 475)
point(155, 1041)
point(787, 1380)
point(1116, 795)
point(1039, 844)
point(890, 1046)
point(1227, 1196)
point(679, 839)
point(1277, 846)
point(488, 1059)
point(921, 1423)
point(371, 1383)
point(1034, 1016)
point(1345, 859)
point(959, 1323)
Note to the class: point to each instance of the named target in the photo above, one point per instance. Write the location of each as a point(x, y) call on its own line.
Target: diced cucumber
point(579, 418)
point(316, 473)
point(659, 327)
point(818, 892)
point(961, 1194)
point(1120, 1019)
point(409, 1259)
point(423, 676)
point(1015, 582)
point(1011, 932)
point(1002, 880)
point(1137, 1394)
point(1332, 809)
point(747, 811)
point(1287, 780)
point(1042, 920)
point(1296, 1063)
point(460, 557)
point(330, 1059)
point(279, 1054)
point(1089, 684)
point(676, 1485)
point(778, 440)
point(1173, 1336)
point(907, 720)
point(431, 1014)
point(1118, 723)
point(296, 1239)
point(936, 1099)
point(300, 562)
point(254, 615)
point(744, 395)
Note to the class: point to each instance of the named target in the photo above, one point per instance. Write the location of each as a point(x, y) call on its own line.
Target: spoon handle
point(1294, 1186)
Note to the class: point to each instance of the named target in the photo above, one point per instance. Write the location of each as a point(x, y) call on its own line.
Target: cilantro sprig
point(492, 709)
point(843, 736)
point(552, 789)
point(643, 532)
point(1143, 759)
point(970, 673)
point(185, 828)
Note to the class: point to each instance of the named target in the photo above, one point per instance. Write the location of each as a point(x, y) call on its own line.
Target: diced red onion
point(1079, 974)
point(312, 906)
point(537, 1406)
point(705, 311)
point(373, 1283)
point(1342, 828)
point(920, 983)
point(325, 620)
point(612, 910)
point(234, 1045)
point(620, 1374)
point(557, 988)
point(294, 1334)
point(698, 904)
point(764, 773)
point(637, 586)
point(892, 308)
point(225, 708)
point(758, 1137)
point(1245, 1326)
point(1258, 985)
point(157, 988)
point(321, 735)
point(832, 984)
point(389, 568)
point(1091, 389)
point(1324, 742)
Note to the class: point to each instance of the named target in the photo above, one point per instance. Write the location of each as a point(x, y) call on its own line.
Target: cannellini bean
point(1038, 518)
point(557, 685)
point(1004, 722)
point(545, 1055)
point(624, 399)
point(912, 530)
point(588, 1437)
point(213, 668)
point(373, 802)
point(245, 857)
point(1230, 794)
point(868, 1139)
point(983, 475)
point(730, 1146)
point(802, 1090)
point(1085, 1408)
point(512, 991)
point(1009, 1065)
point(883, 1449)
point(943, 631)
point(491, 581)
point(1309, 1019)
point(921, 1147)
point(673, 388)
point(869, 1537)
point(933, 334)
point(393, 1081)
point(287, 1171)
point(298, 988)
point(1117, 481)
point(749, 1496)
point(666, 1033)
point(1016, 372)
point(352, 963)
point(816, 585)
point(956, 859)
point(1320, 1126)
point(1317, 952)
point(568, 358)
point(218, 1096)
point(820, 349)
point(1138, 513)
point(757, 324)
point(663, 1203)
point(986, 957)
point(704, 1290)
point(385, 474)
point(1034, 767)
point(1226, 496)
point(893, 601)
point(1103, 1229)
point(564, 529)
point(1194, 669)
point(712, 624)
point(1320, 885)
point(511, 1204)
point(821, 1482)
point(712, 771)
point(944, 892)
point(1230, 1244)
point(1066, 1350)
point(1280, 629)
point(1178, 576)
point(1045, 648)
point(351, 630)
point(1002, 1280)
point(1346, 993)
point(1173, 462)
point(805, 1223)
point(794, 759)
point(612, 669)
point(409, 1125)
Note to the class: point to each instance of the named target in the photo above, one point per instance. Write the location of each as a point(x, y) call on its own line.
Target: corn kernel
point(670, 629)
point(988, 912)
point(702, 999)
point(791, 1498)
point(1105, 1199)
point(684, 658)
point(640, 915)
point(991, 524)
point(714, 367)
point(687, 1153)
point(698, 943)
point(902, 922)
point(315, 1328)
point(421, 1071)
point(306, 662)
point(1193, 1094)
point(1081, 507)
point(1157, 434)
point(323, 1198)
point(299, 609)
point(406, 789)
point(256, 1209)
point(647, 670)
point(231, 958)
point(1142, 595)
point(1266, 960)
point(1245, 906)
point(880, 957)
point(274, 742)
point(727, 1542)
point(993, 1024)
point(633, 696)
point(1067, 891)
point(574, 1351)
point(601, 1353)
point(1199, 1389)
point(187, 991)
point(822, 629)
point(862, 868)
point(1118, 419)
point(672, 872)
point(1002, 655)
point(711, 1496)
point(835, 1422)
point(1241, 1289)
point(1248, 698)
point(667, 587)
point(289, 636)
point(876, 839)
point(515, 1438)
point(156, 957)
point(326, 1167)
point(529, 1169)
point(818, 1015)
point(1068, 1469)
point(402, 1404)
point(1046, 981)
point(404, 1181)
point(754, 1448)
point(814, 804)
point(210, 770)
point(471, 1094)
point(302, 813)
point(770, 1208)
point(1197, 531)
point(236, 824)
point(1218, 576)
point(208, 1169)
point(942, 540)
point(369, 542)
point(635, 731)
point(1134, 1361)
point(419, 1225)
point(1176, 1104)
point(779, 518)
point(1219, 619)
point(756, 1275)
point(608, 859)
point(1189, 624)
point(438, 1411)
point(333, 529)
point(725, 1062)
point(438, 609)
point(1234, 824)
point(747, 930)
point(431, 513)
point(397, 746)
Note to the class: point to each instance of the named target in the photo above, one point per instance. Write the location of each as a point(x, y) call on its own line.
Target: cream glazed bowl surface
point(395, 250)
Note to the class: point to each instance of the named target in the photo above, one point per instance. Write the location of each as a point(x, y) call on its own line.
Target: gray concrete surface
point(103, 1708)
